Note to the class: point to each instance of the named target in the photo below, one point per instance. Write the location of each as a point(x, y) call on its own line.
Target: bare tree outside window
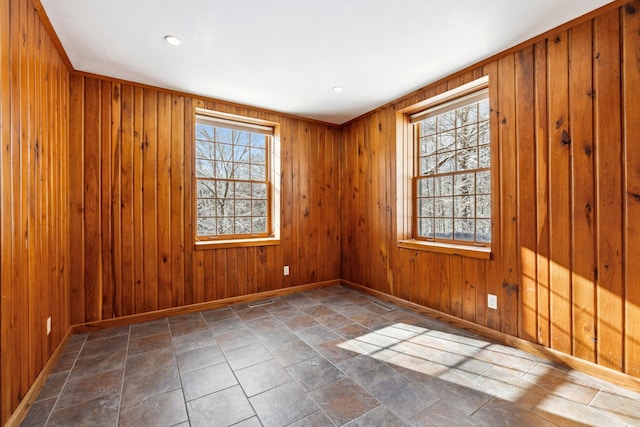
point(232, 187)
point(453, 179)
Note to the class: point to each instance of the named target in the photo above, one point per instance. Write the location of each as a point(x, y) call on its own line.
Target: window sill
point(446, 248)
point(203, 245)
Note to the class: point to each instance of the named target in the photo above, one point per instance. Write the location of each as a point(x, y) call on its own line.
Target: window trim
point(273, 182)
point(405, 163)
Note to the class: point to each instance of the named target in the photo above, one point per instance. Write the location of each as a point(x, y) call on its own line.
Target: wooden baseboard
point(32, 394)
point(615, 377)
point(158, 314)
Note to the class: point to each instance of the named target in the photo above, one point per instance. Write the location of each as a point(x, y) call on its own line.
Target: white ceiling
point(287, 55)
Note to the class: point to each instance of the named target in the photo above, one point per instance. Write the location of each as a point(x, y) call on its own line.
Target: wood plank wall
point(34, 274)
point(566, 112)
point(131, 209)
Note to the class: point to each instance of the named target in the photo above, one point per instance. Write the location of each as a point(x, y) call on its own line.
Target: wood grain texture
point(137, 245)
point(565, 146)
point(34, 200)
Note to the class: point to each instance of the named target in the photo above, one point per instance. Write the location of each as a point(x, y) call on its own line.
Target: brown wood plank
point(127, 180)
point(491, 317)
point(138, 185)
point(525, 137)
point(583, 260)
point(469, 288)
point(178, 182)
point(456, 285)
point(105, 193)
point(608, 189)
point(508, 299)
point(631, 132)
point(209, 275)
point(542, 193)
point(150, 198)
point(164, 195)
point(116, 198)
point(560, 193)
point(92, 225)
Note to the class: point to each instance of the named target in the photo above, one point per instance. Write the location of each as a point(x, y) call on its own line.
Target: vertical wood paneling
point(34, 200)
point(526, 190)
point(565, 172)
point(631, 132)
point(542, 193)
point(583, 242)
point(608, 149)
point(148, 165)
point(508, 196)
point(560, 192)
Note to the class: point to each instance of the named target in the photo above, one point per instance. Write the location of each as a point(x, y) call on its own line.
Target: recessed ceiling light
point(338, 89)
point(172, 40)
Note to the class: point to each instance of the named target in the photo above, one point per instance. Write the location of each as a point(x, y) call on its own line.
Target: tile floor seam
point(124, 372)
point(53, 408)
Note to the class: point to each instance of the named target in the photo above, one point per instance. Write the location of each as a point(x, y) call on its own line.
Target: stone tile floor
point(328, 357)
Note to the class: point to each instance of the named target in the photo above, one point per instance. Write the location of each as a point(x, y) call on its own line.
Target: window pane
point(446, 162)
point(259, 208)
point(444, 207)
point(426, 207)
point(483, 182)
point(224, 190)
point(206, 189)
point(259, 225)
point(464, 206)
point(241, 153)
point(467, 114)
point(426, 228)
point(483, 206)
point(225, 226)
point(243, 190)
point(259, 191)
point(444, 228)
point(243, 226)
point(243, 207)
point(428, 126)
point(464, 229)
point(446, 121)
point(204, 169)
point(446, 141)
point(206, 226)
point(467, 159)
point(483, 231)
point(428, 145)
point(258, 140)
point(225, 207)
point(483, 133)
point(241, 138)
point(484, 160)
point(428, 165)
point(224, 170)
point(206, 207)
point(483, 110)
point(258, 172)
point(466, 136)
point(444, 186)
point(241, 171)
point(223, 152)
point(425, 187)
point(258, 156)
point(465, 183)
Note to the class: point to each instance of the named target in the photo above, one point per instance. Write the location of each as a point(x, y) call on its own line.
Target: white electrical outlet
point(492, 301)
point(286, 270)
point(48, 325)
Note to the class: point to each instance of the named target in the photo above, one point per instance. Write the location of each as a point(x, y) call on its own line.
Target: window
point(234, 175)
point(448, 142)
